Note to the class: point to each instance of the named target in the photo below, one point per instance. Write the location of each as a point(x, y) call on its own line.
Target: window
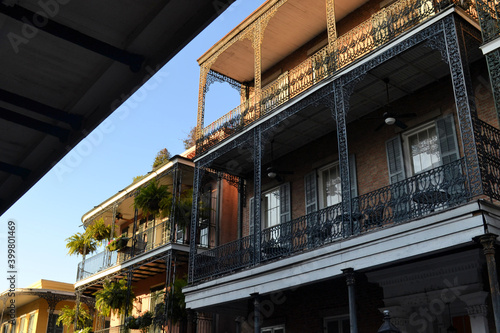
point(425, 148)
point(330, 186)
point(271, 208)
point(337, 325)
point(275, 207)
point(22, 324)
point(31, 323)
point(273, 329)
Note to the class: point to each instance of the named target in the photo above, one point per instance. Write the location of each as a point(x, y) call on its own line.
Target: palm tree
point(82, 244)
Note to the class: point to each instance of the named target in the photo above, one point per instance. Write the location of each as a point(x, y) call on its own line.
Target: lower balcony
point(427, 193)
point(144, 242)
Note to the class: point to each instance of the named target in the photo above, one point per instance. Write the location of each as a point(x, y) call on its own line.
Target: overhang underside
point(63, 76)
point(143, 269)
point(408, 73)
point(294, 24)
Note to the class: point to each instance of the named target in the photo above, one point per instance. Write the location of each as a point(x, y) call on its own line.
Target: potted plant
point(81, 244)
point(117, 244)
point(114, 298)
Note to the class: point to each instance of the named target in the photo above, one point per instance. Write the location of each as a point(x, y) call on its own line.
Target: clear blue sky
point(158, 116)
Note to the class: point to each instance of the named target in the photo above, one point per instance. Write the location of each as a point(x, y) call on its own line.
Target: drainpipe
point(349, 274)
point(488, 242)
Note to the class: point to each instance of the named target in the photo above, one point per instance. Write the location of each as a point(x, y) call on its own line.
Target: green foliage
point(162, 157)
point(117, 243)
point(149, 198)
point(99, 231)
point(142, 322)
point(190, 140)
point(80, 244)
point(67, 317)
point(177, 305)
point(182, 208)
point(137, 178)
point(85, 330)
point(113, 298)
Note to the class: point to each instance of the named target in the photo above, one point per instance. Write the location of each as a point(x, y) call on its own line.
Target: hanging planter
point(117, 244)
point(99, 230)
point(150, 197)
point(114, 297)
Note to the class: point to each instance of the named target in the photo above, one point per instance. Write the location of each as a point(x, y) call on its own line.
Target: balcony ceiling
point(60, 80)
point(295, 23)
point(408, 73)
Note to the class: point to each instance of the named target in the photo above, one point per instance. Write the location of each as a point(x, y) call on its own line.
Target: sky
point(159, 115)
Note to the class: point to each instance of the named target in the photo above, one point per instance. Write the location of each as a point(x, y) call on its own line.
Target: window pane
point(424, 150)
point(271, 206)
point(331, 186)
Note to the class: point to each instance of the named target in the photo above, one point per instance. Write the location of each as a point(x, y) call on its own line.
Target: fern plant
point(113, 298)
point(149, 198)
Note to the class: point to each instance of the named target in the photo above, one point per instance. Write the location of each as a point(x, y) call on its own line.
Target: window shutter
point(447, 139)
point(311, 193)
point(285, 209)
point(352, 175)
point(251, 217)
point(395, 160)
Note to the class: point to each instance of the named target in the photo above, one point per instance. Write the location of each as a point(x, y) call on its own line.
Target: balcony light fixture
point(271, 173)
point(390, 120)
point(387, 326)
point(450, 329)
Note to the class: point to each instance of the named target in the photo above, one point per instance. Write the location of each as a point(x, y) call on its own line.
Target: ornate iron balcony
point(429, 192)
point(380, 29)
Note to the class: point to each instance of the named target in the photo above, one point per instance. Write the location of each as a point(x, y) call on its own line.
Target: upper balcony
point(286, 48)
point(148, 238)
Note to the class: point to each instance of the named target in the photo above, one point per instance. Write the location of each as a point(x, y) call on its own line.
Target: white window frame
point(338, 319)
point(321, 189)
point(272, 329)
point(263, 214)
point(408, 163)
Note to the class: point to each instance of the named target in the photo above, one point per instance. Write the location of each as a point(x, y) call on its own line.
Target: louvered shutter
point(447, 139)
point(311, 193)
point(395, 160)
point(285, 206)
point(352, 175)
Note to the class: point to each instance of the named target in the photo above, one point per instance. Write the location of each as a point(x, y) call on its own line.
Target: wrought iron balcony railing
point(381, 28)
point(145, 240)
point(423, 194)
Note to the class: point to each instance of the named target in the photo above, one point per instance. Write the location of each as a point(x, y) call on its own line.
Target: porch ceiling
point(295, 23)
point(64, 77)
point(407, 72)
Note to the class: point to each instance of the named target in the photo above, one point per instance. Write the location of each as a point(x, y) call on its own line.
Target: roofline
point(236, 30)
point(106, 203)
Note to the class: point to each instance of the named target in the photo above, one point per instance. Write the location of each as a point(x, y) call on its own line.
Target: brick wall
point(429, 103)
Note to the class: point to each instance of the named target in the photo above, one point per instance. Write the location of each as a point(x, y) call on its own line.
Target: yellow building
point(36, 308)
